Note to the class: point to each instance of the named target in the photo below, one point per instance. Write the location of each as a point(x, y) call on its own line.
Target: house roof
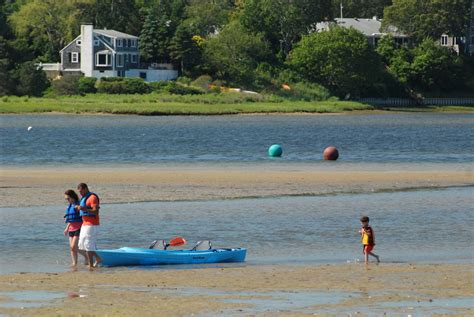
point(115, 34)
point(369, 27)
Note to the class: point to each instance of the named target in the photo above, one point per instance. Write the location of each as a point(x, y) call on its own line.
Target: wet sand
point(241, 290)
point(33, 186)
point(251, 290)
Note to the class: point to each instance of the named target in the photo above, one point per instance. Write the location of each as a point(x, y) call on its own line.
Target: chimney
point(87, 49)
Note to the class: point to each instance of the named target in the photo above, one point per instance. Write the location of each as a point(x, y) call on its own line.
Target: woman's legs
point(73, 247)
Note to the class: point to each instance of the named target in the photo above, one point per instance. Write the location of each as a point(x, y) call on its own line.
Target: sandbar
point(42, 186)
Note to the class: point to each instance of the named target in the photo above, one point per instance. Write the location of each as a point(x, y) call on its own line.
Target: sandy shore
point(327, 290)
point(32, 186)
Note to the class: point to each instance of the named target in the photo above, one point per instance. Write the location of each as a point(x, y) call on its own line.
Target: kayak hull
point(137, 256)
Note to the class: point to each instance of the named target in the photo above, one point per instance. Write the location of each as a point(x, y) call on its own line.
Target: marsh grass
point(165, 104)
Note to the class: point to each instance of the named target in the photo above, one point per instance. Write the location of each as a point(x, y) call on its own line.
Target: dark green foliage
point(66, 86)
point(30, 81)
point(429, 18)
point(87, 85)
point(435, 67)
point(202, 82)
point(339, 59)
point(360, 8)
point(234, 53)
point(119, 85)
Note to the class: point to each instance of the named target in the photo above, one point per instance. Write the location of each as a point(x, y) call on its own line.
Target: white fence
point(402, 102)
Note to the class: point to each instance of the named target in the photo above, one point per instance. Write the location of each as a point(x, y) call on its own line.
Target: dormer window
point(119, 42)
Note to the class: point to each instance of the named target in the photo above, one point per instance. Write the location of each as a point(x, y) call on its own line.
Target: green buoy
point(275, 150)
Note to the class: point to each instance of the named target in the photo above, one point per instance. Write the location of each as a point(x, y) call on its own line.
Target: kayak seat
point(202, 245)
point(158, 245)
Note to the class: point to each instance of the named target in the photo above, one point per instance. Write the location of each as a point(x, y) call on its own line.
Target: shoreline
point(21, 187)
point(280, 290)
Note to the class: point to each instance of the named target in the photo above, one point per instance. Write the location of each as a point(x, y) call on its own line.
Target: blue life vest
point(83, 204)
point(72, 215)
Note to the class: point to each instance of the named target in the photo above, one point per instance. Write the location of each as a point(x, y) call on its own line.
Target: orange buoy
point(330, 153)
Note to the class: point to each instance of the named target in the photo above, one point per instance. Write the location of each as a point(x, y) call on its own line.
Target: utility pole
point(341, 10)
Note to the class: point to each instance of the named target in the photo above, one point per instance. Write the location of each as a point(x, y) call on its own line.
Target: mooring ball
point(330, 153)
point(275, 150)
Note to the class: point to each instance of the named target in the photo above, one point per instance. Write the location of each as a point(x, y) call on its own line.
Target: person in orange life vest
point(89, 210)
point(74, 223)
point(367, 239)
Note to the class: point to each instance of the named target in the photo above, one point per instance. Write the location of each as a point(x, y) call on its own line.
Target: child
point(74, 223)
point(368, 239)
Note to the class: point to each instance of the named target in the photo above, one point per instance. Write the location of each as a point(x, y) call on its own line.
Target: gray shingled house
point(107, 53)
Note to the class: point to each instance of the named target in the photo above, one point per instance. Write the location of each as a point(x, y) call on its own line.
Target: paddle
point(175, 242)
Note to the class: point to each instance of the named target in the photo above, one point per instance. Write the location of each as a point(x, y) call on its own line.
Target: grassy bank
point(157, 104)
point(165, 104)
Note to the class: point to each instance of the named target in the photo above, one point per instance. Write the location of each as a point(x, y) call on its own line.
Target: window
point(119, 42)
point(134, 58)
point(119, 60)
point(78, 42)
point(75, 57)
point(143, 75)
point(96, 42)
point(444, 40)
point(126, 58)
point(120, 73)
point(134, 43)
point(103, 59)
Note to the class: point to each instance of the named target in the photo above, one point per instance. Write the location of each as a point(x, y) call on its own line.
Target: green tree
point(120, 15)
point(46, 25)
point(339, 59)
point(159, 28)
point(30, 81)
point(428, 18)
point(185, 50)
point(233, 54)
point(435, 67)
point(206, 17)
point(360, 8)
point(283, 22)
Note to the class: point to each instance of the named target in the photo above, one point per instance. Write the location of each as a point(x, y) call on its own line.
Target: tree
point(428, 18)
point(360, 8)
point(185, 49)
point(435, 67)
point(283, 22)
point(30, 80)
point(339, 59)
point(120, 15)
point(234, 53)
point(46, 25)
point(206, 17)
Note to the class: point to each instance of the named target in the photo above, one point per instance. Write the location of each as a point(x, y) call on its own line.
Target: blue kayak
point(138, 256)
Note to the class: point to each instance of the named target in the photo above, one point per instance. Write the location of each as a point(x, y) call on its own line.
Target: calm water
point(422, 226)
point(426, 226)
point(54, 139)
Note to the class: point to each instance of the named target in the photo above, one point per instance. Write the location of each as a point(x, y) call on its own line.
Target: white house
point(371, 28)
point(106, 53)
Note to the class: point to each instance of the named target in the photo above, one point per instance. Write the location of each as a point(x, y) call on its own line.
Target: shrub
point(87, 85)
point(202, 82)
point(159, 86)
point(184, 80)
point(66, 86)
point(30, 80)
point(177, 89)
point(118, 85)
point(305, 91)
